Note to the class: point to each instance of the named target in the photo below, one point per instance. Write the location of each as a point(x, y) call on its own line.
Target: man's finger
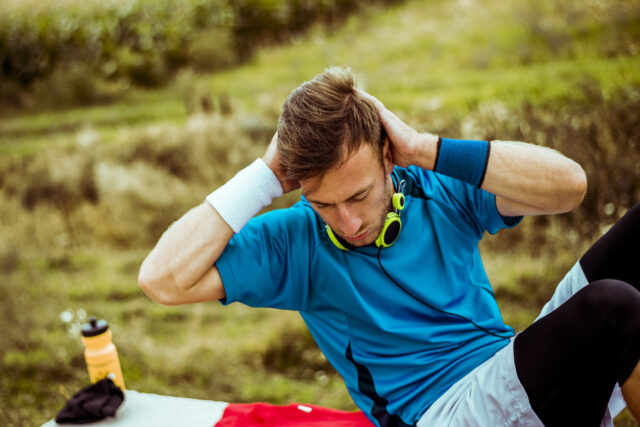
point(379, 105)
point(394, 126)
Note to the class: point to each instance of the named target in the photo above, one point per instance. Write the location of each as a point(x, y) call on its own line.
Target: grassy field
point(86, 191)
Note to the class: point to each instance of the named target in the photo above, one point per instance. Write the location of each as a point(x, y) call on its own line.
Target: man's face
point(354, 198)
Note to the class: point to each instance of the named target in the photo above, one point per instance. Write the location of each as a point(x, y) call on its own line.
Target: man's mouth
point(357, 237)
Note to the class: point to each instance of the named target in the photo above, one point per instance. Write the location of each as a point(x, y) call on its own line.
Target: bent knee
point(612, 298)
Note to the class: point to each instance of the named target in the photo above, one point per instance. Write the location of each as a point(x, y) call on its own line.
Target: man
point(381, 259)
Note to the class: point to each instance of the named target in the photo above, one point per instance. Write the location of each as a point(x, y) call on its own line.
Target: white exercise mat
point(145, 409)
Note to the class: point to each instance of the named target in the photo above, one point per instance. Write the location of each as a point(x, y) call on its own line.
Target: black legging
point(569, 361)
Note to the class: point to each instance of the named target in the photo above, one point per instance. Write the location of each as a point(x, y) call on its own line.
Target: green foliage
point(212, 50)
point(85, 192)
point(102, 48)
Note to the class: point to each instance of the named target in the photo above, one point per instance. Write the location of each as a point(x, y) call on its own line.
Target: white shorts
point(492, 395)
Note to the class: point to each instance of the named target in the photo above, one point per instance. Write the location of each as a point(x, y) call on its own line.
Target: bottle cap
point(94, 327)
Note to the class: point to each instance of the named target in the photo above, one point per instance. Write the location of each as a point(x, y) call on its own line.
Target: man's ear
point(387, 158)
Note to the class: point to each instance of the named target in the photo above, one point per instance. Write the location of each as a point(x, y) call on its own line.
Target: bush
point(211, 50)
point(141, 41)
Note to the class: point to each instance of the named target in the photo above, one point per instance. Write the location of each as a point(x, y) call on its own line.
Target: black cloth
point(616, 255)
point(92, 403)
point(569, 361)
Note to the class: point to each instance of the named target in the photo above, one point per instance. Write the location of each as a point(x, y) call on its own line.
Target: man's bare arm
point(181, 267)
point(532, 180)
point(527, 179)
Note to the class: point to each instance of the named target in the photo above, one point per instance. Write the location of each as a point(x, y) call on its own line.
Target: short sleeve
point(267, 263)
point(477, 206)
point(484, 205)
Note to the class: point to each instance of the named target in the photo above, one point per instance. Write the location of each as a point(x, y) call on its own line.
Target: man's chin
point(364, 239)
point(358, 244)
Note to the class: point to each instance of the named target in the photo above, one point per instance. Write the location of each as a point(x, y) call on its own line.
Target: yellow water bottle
point(100, 353)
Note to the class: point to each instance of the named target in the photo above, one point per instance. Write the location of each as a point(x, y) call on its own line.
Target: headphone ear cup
point(390, 230)
point(397, 200)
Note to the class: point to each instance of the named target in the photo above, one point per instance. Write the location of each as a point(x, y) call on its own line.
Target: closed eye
point(359, 197)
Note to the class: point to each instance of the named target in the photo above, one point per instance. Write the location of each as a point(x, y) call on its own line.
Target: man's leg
point(569, 361)
point(549, 344)
point(617, 255)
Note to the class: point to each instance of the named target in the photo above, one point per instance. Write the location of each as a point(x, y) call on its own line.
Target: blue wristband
point(463, 159)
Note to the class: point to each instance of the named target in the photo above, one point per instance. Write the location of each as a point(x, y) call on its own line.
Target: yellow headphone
point(390, 230)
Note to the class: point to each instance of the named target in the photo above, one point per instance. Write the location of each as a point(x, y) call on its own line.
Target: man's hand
point(526, 179)
point(408, 147)
point(272, 159)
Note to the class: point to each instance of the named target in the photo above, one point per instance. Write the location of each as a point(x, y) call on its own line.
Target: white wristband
point(242, 197)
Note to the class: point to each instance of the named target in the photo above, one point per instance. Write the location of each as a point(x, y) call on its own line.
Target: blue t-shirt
point(391, 342)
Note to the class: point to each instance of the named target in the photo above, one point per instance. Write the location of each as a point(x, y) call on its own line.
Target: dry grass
point(86, 192)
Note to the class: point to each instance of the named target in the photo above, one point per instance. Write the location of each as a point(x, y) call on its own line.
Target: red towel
point(294, 414)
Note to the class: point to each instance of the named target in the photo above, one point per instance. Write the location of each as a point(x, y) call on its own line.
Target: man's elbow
point(576, 188)
point(152, 287)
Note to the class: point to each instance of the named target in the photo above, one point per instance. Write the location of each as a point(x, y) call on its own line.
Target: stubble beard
point(386, 207)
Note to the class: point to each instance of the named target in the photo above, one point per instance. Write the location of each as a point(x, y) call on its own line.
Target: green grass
point(434, 62)
point(441, 57)
point(200, 351)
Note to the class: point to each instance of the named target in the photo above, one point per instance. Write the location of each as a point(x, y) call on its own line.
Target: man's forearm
point(533, 180)
point(528, 179)
point(184, 256)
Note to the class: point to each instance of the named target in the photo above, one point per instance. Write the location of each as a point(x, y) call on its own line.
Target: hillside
point(86, 190)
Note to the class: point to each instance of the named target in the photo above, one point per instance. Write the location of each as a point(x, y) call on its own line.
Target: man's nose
point(348, 221)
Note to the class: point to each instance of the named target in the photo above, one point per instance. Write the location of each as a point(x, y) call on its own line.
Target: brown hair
point(323, 121)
